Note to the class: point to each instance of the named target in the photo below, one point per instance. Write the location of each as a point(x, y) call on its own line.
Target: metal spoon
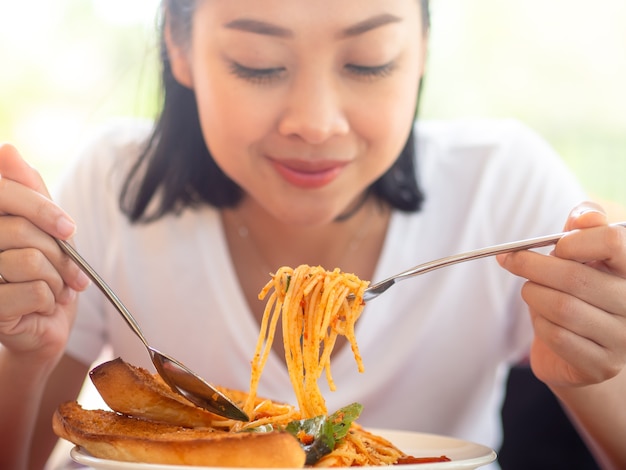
point(374, 290)
point(179, 377)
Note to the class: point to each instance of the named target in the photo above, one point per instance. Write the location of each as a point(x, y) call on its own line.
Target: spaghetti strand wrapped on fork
point(315, 310)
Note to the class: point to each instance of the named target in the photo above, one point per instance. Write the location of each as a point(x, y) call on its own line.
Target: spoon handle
point(179, 377)
point(104, 287)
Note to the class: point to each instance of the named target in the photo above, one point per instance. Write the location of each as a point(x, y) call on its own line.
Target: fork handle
point(376, 289)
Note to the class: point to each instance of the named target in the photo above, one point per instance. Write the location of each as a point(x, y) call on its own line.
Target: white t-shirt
point(436, 348)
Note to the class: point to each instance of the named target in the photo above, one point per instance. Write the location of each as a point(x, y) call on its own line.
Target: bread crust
point(134, 391)
point(152, 424)
point(110, 435)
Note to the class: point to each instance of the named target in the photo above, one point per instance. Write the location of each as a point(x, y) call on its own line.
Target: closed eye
point(256, 75)
point(371, 72)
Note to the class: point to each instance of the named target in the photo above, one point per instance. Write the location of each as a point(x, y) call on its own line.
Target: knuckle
point(17, 228)
point(562, 308)
point(558, 337)
point(40, 295)
point(41, 208)
point(31, 260)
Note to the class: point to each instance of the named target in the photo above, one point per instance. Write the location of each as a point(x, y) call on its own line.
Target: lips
point(308, 174)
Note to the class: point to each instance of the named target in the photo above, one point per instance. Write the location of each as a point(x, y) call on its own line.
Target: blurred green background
point(558, 65)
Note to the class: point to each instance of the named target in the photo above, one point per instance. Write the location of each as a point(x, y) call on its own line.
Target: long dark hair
point(177, 168)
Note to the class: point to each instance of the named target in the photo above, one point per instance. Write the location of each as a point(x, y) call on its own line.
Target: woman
point(287, 136)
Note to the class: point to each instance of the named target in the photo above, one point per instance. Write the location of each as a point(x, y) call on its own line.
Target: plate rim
point(488, 455)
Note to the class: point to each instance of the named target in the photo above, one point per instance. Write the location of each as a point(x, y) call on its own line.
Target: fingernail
point(587, 207)
point(67, 295)
point(83, 280)
point(65, 227)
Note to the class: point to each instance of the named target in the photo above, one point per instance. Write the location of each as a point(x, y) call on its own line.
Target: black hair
point(177, 170)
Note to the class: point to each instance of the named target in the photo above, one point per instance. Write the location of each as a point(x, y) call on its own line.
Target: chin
point(310, 216)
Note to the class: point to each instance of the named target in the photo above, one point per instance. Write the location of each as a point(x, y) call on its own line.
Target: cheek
point(221, 113)
point(230, 125)
point(385, 121)
point(233, 127)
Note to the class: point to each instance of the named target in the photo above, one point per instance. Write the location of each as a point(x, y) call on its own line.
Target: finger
point(606, 244)
point(18, 199)
point(578, 363)
point(14, 167)
point(582, 323)
point(586, 214)
point(29, 254)
point(30, 317)
point(28, 265)
point(24, 298)
point(601, 289)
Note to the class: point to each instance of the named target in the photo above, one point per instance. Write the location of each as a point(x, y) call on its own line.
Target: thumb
point(585, 215)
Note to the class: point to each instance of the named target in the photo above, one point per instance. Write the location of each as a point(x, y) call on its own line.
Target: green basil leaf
point(319, 435)
point(343, 418)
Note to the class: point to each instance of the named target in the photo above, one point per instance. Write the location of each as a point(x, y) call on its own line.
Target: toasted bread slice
point(134, 391)
point(109, 435)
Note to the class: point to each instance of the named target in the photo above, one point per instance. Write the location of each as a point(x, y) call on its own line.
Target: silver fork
point(374, 290)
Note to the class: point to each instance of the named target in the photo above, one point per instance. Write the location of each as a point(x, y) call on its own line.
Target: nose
point(313, 110)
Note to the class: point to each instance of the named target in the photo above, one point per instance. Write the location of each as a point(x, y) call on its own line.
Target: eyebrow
point(259, 27)
point(369, 24)
point(268, 29)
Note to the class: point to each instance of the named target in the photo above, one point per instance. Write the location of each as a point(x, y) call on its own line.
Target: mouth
point(308, 174)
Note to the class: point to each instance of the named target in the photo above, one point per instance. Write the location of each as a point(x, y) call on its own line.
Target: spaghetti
point(315, 310)
point(314, 307)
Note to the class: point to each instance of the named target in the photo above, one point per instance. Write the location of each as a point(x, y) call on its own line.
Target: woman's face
point(304, 103)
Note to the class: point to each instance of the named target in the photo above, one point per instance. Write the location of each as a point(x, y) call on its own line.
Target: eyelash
point(257, 76)
point(266, 76)
point(371, 73)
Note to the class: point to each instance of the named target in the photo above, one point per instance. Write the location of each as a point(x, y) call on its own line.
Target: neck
point(270, 244)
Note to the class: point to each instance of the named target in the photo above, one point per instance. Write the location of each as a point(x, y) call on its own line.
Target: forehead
point(318, 16)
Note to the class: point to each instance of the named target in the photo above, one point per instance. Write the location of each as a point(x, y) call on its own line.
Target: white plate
point(464, 455)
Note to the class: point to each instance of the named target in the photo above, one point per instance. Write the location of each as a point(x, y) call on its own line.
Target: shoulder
point(90, 186)
point(117, 142)
point(467, 137)
point(103, 159)
point(494, 168)
point(503, 150)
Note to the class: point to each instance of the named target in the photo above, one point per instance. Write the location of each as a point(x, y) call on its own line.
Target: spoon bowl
point(179, 377)
point(194, 388)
